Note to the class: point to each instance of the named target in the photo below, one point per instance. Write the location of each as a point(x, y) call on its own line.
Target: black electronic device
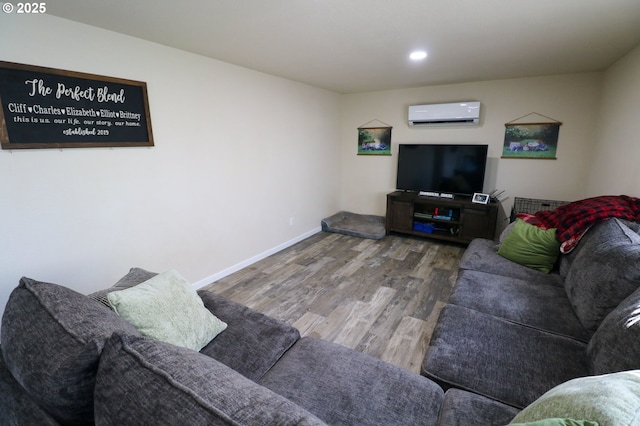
point(457, 169)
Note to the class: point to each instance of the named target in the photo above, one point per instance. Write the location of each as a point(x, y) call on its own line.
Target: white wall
point(571, 99)
point(237, 154)
point(615, 167)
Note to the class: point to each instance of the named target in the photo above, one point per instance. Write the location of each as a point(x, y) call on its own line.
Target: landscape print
point(374, 141)
point(538, 140)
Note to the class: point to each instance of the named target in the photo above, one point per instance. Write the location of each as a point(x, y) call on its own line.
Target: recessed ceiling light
point(418, 55)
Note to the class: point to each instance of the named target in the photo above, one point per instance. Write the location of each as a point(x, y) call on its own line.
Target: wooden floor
point(381, 297)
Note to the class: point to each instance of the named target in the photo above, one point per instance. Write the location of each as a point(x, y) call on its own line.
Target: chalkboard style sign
point(52, 108)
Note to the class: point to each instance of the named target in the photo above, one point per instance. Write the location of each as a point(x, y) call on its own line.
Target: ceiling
point(352, 46)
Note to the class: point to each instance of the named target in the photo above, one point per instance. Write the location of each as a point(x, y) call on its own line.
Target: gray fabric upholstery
point(134, 277)
point(52, 338)
point(605, 271)
point(615, 346)
point(71, 356)
point(252, 342)
point(140, 379)
point(519, 301)
point(567, 260)
point(462, 408)
point(634, 226)
point(511, 333)
point(499, 359)
point(481, 255)
point(342, 386)
point(16, 406)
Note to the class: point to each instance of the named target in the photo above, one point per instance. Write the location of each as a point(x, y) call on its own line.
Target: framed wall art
point(52, 108)
point(374, 140)
point(531, 140)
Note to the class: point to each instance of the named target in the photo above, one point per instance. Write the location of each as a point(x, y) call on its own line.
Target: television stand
point(458, 220)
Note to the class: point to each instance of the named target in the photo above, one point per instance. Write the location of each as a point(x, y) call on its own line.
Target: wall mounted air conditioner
point(453, 114)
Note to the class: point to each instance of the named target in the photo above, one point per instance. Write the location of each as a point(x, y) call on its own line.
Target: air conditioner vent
point(452, 114)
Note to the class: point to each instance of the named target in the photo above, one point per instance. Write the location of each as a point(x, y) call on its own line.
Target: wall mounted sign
point(52, 108)
point(531, 140)
point(374, 140)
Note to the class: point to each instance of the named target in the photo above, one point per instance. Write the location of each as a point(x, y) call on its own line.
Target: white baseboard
point(228, 271)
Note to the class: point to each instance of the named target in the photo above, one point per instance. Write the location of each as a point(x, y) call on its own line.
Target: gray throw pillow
point(151, 381)
point(615, 346)
point(134, 277)
point(52, 338)
point(604, 272)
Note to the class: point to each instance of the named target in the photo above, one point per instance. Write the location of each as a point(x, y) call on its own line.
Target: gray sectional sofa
point(511, 333)
point(510, 340)
point(68, 359)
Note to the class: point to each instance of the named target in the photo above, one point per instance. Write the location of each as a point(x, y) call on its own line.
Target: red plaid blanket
point(574, 219)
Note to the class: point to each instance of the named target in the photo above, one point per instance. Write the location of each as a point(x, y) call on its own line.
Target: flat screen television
point(450, 168)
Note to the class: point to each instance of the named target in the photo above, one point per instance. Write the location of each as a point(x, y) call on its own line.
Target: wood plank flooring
point(380, 297)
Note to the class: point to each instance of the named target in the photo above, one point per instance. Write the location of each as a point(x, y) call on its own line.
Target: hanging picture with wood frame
point(374, 140)
point(44, 108)
point(531, 140)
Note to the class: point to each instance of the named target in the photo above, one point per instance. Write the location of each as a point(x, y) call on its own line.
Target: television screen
point(452, 169)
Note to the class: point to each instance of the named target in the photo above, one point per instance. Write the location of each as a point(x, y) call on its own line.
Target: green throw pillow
point(531, 246)
point(610, 399)
point(168, 309)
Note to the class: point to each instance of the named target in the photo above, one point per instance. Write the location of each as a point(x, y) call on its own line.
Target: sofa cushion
point(499, 359)
point(531, 246)
point(612, 399)
point(253, 342)
point(166, 308)
point(519, 301)
point(343, 386)
point(16, 406)
point(52, 338)
point(604, 272)
point(148, 380)
point(481, 255)
point(466, 408)
point(615, 346)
